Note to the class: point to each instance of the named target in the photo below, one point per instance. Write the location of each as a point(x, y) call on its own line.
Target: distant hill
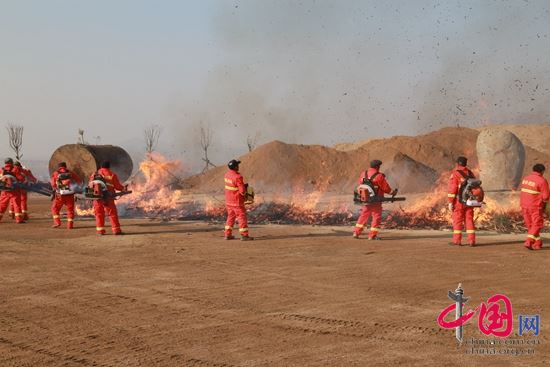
point(412, 163)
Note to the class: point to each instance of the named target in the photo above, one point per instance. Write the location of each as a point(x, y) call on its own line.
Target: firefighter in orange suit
point(235, 191)
point(533, 200)
point(10, 177)
point(375, 209)
point(28, 178)
point(64, 182)
point(460, 212)
point(104, 176)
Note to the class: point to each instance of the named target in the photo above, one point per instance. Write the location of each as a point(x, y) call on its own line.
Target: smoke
point(323, 72)
point(497, 72)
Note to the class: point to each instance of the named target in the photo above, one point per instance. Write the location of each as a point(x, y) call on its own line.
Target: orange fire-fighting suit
point(374, 209)
point(28, 178)
point(461, 212)
point(235, 191)
point(533, 198)
point(107, 205)
point(11, 175)
point(63, 200)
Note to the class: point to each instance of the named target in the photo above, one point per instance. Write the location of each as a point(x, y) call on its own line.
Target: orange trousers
point(12, 198)
point(102, 207)
point(534, 221)
point(58, 203)
point(374, 210)
point(236, 213)
point(463, 214)
point(23, 206)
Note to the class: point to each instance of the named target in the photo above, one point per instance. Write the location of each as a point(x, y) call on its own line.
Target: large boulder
point(501, 157)
point(409, 175)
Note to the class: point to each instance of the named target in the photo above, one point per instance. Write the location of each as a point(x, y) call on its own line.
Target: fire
point(157, 191)
point(83, 210)
point(159, 187)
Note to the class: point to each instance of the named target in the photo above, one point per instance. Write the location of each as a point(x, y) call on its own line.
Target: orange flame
point(159, 187)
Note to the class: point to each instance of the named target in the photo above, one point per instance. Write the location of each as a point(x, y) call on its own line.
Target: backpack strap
point(373, 176)
point(466, 176)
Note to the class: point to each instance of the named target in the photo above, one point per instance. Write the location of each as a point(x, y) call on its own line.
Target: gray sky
point(299, 71)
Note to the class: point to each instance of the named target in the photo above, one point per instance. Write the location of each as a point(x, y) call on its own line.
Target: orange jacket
point(379, 180)
point(234, 189)
point(534, 191)
point(29, 177)
point(15, 171)
point(74, 177)
point(111, 179)
point(455, 182)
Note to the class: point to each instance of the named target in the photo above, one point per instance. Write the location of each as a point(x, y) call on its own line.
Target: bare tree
point(152, 134)
point(81, 139)
point(252, 141)
point(15, 133)
point(206, 140)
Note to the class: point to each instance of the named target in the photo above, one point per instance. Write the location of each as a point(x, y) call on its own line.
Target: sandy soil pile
point(412, 163)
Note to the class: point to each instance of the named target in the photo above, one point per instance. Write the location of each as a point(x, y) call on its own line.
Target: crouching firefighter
point(64, 184)
point(235, 196)
point(534, 198)
point(103, 186)
point(10, 177)
point(372, 187)
point(464, 194)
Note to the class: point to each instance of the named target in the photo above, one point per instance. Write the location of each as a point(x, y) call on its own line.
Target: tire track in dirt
point(357, 329)
point(103, 315)
point(193, 362)
point(60, 356)
point(291, 322)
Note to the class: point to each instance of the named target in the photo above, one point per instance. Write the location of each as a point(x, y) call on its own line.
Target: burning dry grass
point(283, 213)
point(156, 194)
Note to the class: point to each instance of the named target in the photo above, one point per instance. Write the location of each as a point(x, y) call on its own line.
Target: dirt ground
point(177, 294)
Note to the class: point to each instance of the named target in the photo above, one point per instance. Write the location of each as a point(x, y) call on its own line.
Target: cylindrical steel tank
point(84, 160)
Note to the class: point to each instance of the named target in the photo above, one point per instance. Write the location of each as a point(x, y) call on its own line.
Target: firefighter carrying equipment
point(7, 181)
point(366, 192)
point(98, 190)
point(248, 195)
point(64, 184)
point(103, 185)
point(470, 192)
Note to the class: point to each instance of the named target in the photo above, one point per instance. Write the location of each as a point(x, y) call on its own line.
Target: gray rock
point(501, 158)
point(409, 175)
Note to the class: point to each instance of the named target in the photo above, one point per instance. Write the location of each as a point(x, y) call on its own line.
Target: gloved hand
point(451, 207)
point(394, 192)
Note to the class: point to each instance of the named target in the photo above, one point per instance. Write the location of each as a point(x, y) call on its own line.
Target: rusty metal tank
point(84, 160)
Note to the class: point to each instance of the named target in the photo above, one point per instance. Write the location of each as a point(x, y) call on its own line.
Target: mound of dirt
point(277, 166)
point(411, 163)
